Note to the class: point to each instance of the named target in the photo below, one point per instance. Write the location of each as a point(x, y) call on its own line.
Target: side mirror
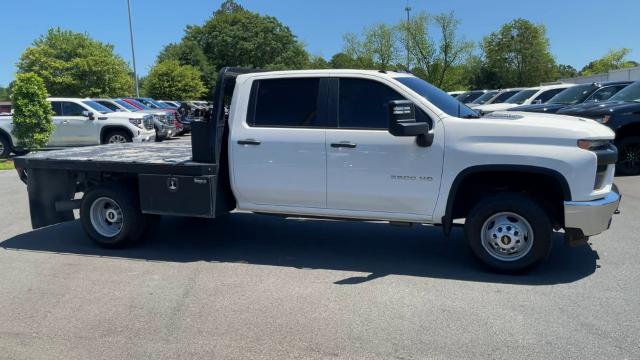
point(88, 114)
point(402, 122)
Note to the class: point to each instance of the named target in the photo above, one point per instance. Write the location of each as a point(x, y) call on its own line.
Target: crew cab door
point(369, 171)
point(278, 149)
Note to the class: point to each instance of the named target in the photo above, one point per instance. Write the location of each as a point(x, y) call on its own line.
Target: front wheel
point(111, 216)
point(117, 137)
point(509, 232)
point(629, 160)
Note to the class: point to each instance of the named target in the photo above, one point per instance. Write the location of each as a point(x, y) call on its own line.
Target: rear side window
point(363, 104)
point(286, 103)
point(71, 109)
point(56, 106)
point(545, 96)
point(504, 96)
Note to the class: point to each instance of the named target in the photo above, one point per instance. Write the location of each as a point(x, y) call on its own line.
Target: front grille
point(148, 122)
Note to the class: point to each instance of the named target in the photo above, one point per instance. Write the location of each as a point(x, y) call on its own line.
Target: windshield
point(98, 107)
point(573, 95)
point(138, 104)
point(630, 93)
point(469, 96)
point(437, 97)
point(152, 103)
point(485, 97)
point(126, 105)
point(521, 97)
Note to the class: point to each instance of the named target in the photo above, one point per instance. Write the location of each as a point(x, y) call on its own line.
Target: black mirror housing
point(88, 114)
point(402, 119)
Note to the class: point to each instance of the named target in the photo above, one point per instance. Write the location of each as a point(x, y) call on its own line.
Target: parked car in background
point(80, 122)
point(499, 97)
point(151, 103)
point(5, 107)
point(578, 94)
point(171, 103)
point(621, 113)
point(177, 120)
point(470, 96)
point(162, 121)
point(482, 99)
point(533, 95)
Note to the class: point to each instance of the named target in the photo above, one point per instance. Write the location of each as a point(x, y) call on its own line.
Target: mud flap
point(45, 188)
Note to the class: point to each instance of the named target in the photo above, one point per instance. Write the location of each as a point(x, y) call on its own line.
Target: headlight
point(603, 120)
point(593, 144)
point(136, 122)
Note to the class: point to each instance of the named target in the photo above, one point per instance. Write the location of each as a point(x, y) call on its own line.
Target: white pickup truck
point(81, 122)
point(347, 144)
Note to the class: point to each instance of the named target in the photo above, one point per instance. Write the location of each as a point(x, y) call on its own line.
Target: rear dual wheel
point(111, 216)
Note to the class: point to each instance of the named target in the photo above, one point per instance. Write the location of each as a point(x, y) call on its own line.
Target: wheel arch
point(485, 171)
point(111, 128)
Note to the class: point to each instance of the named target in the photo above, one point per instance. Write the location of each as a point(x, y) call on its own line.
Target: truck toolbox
point(178, 195)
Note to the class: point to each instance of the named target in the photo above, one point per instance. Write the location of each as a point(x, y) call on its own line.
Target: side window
point(71, 109)
point(109, 105)
point(56, 106)
point(545, 96)
point(363, 104)
point(605, 93)
point(504, 96)
point(286, 103)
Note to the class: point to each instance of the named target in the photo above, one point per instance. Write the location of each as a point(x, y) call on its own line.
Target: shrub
point(31, 112)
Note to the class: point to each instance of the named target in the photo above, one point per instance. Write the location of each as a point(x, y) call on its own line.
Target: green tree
point(437, 61)
point(190, 53)
point(378, 48)
point(73, 64)
point(565, 71)
point(518, 54)
point(31, 111)
point(613, 60)
point(4, 93)
point(171, 80)
point(234, 36)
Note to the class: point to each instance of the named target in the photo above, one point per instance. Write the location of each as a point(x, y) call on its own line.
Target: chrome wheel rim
point(631, 157)
point(117, 139)
point(106, 217)
point(507, 236)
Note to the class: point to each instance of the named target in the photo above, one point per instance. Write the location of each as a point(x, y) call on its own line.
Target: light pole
point(133, 52)
point(408, 10)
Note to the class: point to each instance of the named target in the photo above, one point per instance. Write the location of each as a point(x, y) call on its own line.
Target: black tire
point(522, 206)
point(117, 134)
point(131, 218)
point(5, 147)
point(629, 156)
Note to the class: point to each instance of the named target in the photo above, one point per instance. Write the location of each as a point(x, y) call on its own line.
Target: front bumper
point(591, 217)
point(144, 136)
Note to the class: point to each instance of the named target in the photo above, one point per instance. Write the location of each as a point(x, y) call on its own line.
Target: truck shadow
point(377, 249)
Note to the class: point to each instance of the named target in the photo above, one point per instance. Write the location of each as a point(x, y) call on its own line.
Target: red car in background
point(144, 103)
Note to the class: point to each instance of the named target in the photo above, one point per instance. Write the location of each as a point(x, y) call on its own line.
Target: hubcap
point(507, 236)
point(106, 217)
point(117, 139)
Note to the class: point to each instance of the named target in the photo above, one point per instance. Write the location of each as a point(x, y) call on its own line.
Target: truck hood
point(549, 125)
point(597, 109)
point(540, 108)
point(494, 107)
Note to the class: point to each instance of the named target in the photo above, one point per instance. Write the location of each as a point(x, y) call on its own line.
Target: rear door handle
point(343, 144)
point(249, 142)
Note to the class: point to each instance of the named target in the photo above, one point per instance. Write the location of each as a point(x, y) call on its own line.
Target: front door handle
point(343, 144)
point(249, 142)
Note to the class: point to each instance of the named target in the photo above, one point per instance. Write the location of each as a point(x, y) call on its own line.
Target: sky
point(579, 31)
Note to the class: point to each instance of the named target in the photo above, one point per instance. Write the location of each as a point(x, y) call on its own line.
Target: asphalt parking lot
point(253, 286)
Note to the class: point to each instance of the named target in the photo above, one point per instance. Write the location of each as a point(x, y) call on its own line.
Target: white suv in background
point(80, 122)
point(532, 95)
